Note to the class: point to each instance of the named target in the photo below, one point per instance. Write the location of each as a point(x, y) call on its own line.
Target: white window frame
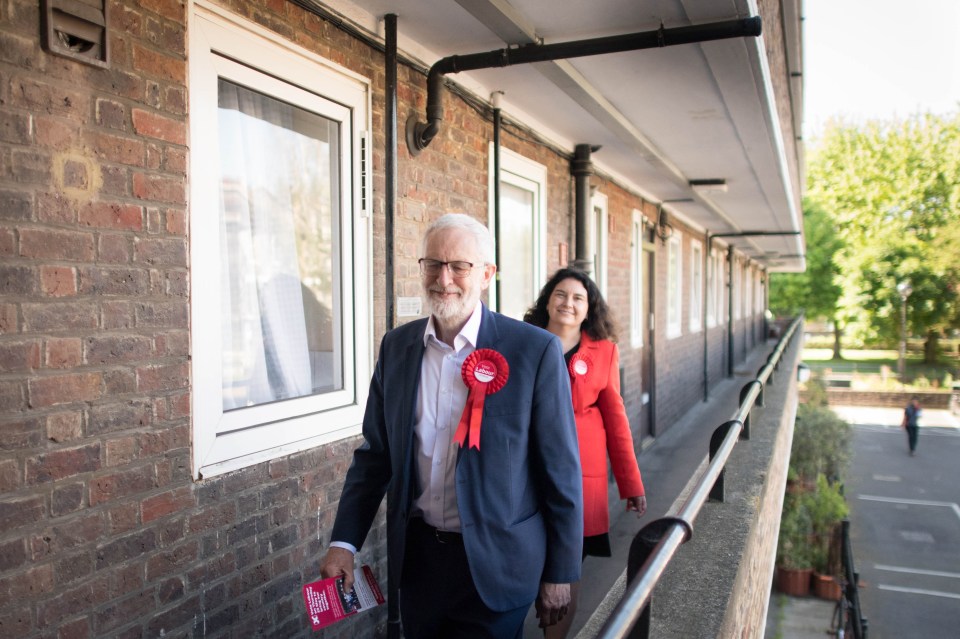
point(636, 279)
point(720, 276)
point(525, 173)
point(599, 231)
point(674, 285)
point(696, 286)
point(224, 45)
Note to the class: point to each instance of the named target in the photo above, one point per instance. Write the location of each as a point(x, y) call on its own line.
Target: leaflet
point(327, 602)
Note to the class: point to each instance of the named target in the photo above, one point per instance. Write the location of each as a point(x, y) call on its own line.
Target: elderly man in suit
point(469, 430)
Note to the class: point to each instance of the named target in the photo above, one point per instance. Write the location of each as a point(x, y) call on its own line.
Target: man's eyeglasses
point(457, 268)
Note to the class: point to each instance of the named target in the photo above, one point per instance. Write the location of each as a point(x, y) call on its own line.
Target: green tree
point(893, 191)
point(816, 291)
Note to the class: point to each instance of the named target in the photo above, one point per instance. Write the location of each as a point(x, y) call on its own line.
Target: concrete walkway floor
point(798, 617)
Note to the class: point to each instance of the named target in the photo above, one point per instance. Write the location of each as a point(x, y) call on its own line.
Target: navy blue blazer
point(519, 495)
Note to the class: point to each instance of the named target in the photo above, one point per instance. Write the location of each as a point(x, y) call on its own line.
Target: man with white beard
point(469, 431)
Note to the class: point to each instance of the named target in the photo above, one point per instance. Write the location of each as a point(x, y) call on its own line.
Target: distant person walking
point(910, 416)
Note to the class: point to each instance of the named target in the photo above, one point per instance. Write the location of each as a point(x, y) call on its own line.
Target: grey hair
point(462, 222)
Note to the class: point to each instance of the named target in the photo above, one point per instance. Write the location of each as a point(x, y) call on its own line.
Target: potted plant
point(827, 507)
point(794, 560)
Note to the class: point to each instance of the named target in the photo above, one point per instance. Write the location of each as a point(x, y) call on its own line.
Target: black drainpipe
point(581, 168)
point(390, 161)
point(419, 134)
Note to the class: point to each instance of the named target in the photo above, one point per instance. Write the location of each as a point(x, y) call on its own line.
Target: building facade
point(206, 231)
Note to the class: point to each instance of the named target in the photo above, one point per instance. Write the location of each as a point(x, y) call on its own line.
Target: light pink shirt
point(440, 401)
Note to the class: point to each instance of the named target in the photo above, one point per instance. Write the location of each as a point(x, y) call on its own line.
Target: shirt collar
point(467, 335)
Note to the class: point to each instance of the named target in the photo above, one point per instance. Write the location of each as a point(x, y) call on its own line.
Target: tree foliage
point(816, 291)
point(892, 190)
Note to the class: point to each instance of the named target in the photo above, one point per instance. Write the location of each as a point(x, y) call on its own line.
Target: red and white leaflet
point(327, 603)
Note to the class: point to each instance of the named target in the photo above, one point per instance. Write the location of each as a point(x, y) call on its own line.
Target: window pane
point(516, 250)
point(280, 248)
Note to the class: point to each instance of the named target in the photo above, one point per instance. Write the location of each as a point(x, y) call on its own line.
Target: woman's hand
point(638, 504)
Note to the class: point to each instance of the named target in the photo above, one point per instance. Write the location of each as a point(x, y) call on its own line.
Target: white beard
point(451, 311)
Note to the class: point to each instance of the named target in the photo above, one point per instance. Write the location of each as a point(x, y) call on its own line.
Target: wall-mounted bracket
point(76, 29)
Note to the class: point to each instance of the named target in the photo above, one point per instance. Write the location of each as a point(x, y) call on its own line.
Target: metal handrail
point(657, 542)
point(851, 585)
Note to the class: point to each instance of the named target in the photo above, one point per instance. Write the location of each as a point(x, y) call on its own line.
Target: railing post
point(716, 440)
point(762, 385)
point(745, 433)
point(640, 548)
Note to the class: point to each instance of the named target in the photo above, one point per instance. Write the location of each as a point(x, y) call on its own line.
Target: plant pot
point(826, 587)
point(794, 582)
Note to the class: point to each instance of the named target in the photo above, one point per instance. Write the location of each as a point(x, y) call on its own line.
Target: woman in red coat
point(570, 306)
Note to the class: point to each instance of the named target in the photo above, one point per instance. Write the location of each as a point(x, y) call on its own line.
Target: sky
point(879, 59)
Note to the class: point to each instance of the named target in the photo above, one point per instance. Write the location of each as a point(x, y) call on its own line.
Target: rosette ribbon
point(485, 371)
point(579, 368)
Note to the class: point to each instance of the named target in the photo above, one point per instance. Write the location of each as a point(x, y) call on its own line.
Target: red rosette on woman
point(485, 371)
point(580, 366)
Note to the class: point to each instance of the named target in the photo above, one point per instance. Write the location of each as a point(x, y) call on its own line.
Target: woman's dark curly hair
point(598, 324)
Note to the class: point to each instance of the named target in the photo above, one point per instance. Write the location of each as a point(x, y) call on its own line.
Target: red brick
point(8, 319)
point(114, 248)
point(121, 484)
point(159, 442)
point(176, 222)
point(56, 133)
point(66, 352)
point(172, 343)
point(63, 389)
point(112, 348)
point(56, 208)
point(117, 315)
point(10, 476)
point(15, 513)
point(31, 166)
point(112, 215)
point(40, 97)
point(15, 128)
point(114, 280)
point(162, 378)
point(57, 245)
point(22, 433)
point(67, 498)
point(59, 316)
point(58, 281)
point(8, 243)
point(159, 127)
point(113, 417)
point(17, 280)
point(121, 451)
point(174, 160)
point(58, 464)
point(174, 11)
point(180, 498)
point(19, 356)
point(76, 629)
point(17, 622)
point(64, 427)
point(118, 149)
point(159, 65)
point(16, 205)
point(11, 396)
point(159, 189)
point(76, 175)
point(111, 114)
point(164, 315)
point(123, 518)
point(161, 251)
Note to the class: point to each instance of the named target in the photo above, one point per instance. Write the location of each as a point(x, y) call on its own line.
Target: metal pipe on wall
point(390, 161)
point(581, 168)
point(419, 134)
point(730, 311)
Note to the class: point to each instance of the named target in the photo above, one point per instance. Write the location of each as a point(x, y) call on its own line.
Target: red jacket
point(602, 429)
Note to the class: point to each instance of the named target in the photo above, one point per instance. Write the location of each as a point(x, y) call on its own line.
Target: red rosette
point(580, 366)
point(485, 371)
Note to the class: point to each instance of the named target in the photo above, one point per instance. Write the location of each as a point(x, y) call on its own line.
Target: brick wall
point(103, 532)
